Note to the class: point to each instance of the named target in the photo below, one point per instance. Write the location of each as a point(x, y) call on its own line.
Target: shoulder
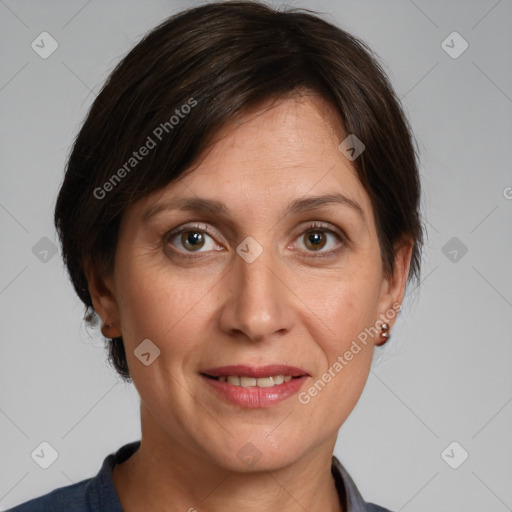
point(70, 498)
point(96, 494)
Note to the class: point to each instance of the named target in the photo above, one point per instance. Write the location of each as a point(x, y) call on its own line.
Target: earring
point(105, 327)
point(384, 332)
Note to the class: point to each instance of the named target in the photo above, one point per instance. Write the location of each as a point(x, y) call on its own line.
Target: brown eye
point(191, 239)
point(321, 240)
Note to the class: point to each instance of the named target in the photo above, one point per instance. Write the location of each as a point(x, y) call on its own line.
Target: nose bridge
point(257, 305)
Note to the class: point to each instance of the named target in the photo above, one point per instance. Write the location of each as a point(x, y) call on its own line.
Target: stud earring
point(384, 332)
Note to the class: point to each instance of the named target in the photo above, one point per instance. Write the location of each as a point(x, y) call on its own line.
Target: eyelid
point(314, 225)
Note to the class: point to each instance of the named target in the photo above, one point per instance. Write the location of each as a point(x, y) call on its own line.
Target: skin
point(286, 307)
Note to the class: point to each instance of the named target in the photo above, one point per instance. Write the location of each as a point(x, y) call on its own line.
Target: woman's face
point(264, 273)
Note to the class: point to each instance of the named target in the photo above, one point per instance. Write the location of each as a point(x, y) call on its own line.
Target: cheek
point(348, 306)
point(351, 318)
point(163, 306)
point(167, 309)
point(347, 350)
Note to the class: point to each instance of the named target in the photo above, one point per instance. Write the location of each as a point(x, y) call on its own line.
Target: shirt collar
point(349, 494)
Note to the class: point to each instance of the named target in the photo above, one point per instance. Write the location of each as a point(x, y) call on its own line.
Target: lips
point(254, 387)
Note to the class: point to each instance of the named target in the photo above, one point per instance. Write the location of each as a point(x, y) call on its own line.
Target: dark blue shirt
point(98, 494)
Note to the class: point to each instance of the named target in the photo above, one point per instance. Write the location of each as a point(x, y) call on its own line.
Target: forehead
point(272, 154)
point(285, 134)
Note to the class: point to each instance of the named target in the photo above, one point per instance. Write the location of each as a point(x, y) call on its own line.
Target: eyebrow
point(200, 205)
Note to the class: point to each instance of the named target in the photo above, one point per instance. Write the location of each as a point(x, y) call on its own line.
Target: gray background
point(444, 377)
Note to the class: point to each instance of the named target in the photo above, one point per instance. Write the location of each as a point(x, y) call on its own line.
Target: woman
point(241, 211)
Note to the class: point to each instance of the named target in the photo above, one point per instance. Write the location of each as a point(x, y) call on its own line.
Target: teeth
point(246, 382)
point(262, 382)
point(265, 382)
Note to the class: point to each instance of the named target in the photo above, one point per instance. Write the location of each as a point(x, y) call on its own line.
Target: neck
point(164, 476)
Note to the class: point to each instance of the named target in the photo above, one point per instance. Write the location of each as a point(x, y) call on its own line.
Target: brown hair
point(190, 75)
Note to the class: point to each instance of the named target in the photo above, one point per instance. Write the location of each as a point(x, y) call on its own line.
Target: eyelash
point(313, 227)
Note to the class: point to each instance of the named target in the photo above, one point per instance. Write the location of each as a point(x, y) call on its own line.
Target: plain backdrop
point(446, 375)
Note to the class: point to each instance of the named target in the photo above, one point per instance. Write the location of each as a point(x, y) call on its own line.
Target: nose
point(258, 302)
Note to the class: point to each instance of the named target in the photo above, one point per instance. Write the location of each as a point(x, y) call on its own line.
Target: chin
point(258, 453)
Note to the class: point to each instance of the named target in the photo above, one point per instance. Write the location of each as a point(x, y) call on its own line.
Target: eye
point(316, 238)
point(191, 239)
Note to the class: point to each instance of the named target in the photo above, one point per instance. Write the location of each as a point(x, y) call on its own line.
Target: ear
point(393, 286)
point(104, 301)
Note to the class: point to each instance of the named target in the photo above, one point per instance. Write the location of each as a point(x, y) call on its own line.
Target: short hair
point(189, 76)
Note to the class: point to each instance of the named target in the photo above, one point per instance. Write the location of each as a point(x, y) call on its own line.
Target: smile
point(254, 387)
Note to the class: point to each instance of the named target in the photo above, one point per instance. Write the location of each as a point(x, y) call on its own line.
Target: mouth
point(255, 386)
